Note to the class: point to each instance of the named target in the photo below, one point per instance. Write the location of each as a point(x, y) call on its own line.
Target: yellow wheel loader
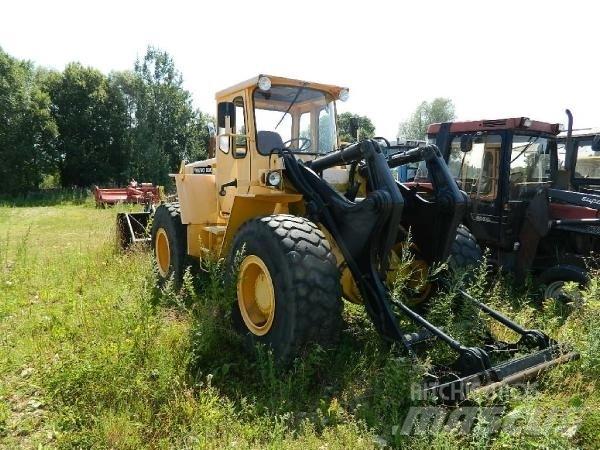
point(311, 222)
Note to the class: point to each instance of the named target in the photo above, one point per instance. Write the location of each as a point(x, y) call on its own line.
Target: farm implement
point(311, 223)
point(134, 193)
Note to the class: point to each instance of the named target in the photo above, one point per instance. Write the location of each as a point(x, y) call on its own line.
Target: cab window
point(241, 145)
point(529, 166)
point(476, 171)
point(305, 126)
point(588, 161)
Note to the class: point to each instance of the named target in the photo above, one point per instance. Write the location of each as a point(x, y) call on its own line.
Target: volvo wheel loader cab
point(510, 169)
point(306, 224)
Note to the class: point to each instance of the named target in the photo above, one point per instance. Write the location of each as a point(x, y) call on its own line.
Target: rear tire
point(304, 280)
point(169, 242)
point(554, 279)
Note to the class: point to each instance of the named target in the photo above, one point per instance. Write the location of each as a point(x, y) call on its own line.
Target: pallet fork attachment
point(365, 232)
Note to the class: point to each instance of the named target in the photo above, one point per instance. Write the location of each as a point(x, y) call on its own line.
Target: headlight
point(264, 83)
point(274, 178)
point(344, 95)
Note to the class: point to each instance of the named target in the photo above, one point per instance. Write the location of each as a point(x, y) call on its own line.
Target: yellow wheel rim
point(416, 272)
point(256, 295)
point(162, 251)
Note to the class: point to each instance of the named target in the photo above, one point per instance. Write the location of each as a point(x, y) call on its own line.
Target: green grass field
point(92, 356)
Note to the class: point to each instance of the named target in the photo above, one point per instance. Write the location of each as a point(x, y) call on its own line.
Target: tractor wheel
point(465, 252)
point(288, 285)
point(555, 278)
point(169, 241)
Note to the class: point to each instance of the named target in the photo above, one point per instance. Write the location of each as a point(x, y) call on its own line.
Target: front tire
point(465, 252)
point(169, 242)
point(288, 286)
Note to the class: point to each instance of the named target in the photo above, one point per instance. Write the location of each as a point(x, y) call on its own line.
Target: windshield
point(297, 117)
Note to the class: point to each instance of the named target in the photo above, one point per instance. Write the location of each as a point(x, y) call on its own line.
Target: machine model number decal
point(482, 218)
point(592, 201)
point(203, 170)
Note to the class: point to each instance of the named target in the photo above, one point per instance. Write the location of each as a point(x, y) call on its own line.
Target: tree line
point(78, 126)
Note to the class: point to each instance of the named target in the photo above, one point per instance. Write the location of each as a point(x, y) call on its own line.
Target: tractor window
point(476, 171)
point(240, 128)
point(327, 137)
point(278, 110)
point(305, 125)
point(529, 166)
point(561, 153)
point(588, 161)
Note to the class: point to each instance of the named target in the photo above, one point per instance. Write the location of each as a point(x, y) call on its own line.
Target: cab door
point(233, 158)
point(477, 172)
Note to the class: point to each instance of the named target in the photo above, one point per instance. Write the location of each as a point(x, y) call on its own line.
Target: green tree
point(439, 110)
point(92, 123)
point(26, 127)
point(366, 129)
point(167, 129)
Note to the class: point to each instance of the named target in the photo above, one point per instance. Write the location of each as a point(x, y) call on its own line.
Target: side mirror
point(226, 115)
point(596, 143)
point(354, 125)
point(226, 124)
point(466, 143)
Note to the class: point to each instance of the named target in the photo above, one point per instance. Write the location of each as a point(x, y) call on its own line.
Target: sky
point(494, 59)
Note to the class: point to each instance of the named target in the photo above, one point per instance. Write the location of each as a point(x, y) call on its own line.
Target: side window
point(305, 126)
point(588, 161)
point(241, 146)
point(561, 152)
point(476, 171)
point(529, 166)
point(327, 141)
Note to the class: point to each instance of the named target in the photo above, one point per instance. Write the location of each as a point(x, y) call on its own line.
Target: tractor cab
point(501, 165)
point(582, 160)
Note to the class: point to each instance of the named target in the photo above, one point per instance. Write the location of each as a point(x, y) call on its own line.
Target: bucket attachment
point(132, 228)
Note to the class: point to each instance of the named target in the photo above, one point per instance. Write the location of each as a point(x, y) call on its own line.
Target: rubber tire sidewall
point(563, 272)
point(293, 284)
point(465, 252)
point(167, 217)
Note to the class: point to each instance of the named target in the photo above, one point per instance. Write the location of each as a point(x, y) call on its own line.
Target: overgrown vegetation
point(93, 356)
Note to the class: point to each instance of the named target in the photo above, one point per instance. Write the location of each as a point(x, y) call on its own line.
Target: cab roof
point(581, 132)
point(275, 80)
point(513, 123)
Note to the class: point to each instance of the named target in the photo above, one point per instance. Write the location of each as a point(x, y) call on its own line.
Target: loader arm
point(365, 231)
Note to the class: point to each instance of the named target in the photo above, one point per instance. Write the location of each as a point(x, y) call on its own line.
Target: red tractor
point(519, 209)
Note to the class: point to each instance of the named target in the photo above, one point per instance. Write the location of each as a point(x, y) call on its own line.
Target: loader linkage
point(365, 231)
